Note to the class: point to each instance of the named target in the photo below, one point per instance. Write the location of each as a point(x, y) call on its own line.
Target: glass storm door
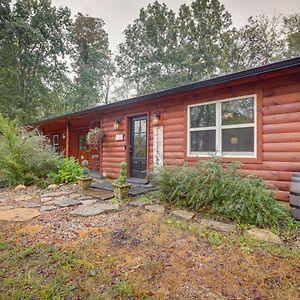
point(138, 147)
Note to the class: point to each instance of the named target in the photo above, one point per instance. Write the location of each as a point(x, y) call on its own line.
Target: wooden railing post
point(68, 139)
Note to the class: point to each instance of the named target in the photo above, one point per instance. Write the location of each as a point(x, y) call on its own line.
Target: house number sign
point(158, 147)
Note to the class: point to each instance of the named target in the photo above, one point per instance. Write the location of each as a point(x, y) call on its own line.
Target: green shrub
point(25, 156)
point(85, 172)
point(68, 171)
point(122, 179)
point(221, 189)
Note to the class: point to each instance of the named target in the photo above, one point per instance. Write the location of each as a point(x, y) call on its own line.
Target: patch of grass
point(3, 245)
point(246, 244)
point(214, 239)
point(124, 289)
point(146, 198)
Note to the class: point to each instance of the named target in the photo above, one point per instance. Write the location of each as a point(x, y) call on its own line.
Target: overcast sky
point(117, 14)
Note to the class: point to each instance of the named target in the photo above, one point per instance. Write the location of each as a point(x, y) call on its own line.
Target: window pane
point(82, 141)
point(143, 126)
point(238, 111)
point(203, 141)
point(203, 116)
point(238, 140)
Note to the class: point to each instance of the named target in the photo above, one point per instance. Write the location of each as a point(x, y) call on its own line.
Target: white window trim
point(219, 128)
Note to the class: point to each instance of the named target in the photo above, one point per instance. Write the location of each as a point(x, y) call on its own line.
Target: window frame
point(218, 128)
point(55, 145)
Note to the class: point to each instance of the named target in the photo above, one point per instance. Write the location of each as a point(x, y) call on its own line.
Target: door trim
point(127, 138)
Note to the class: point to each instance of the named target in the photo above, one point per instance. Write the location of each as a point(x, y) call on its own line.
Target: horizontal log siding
point(281, 138)
point(279, 155)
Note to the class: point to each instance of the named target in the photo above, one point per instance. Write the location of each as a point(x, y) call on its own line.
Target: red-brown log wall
point(278, 153)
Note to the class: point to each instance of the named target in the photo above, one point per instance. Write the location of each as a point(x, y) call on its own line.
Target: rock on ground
point(55, 194)
point(65, 202)
point(94, 209)
point(47, 208)
point(137, 203)
point(24, 198)
point(157, 208)
point(20, 187)
point(183, 214)
point(19, 214)
point(52, 186)
point(46, 199)
point(30, 205)
point(6, 207)
point(264, 235)
point(218, 226)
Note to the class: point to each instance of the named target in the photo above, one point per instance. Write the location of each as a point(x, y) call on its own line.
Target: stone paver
point(218, 226)
point(183, 214)
point(157, 208)
point(3, 198)
point(51, 202)
point(94, 209)
point(66, 202)
point(264, 235)
point(47, 208)
point(74, 195)
point(46, 199)
point(137, 203)
point(91, 201)
point(6, 207)
point(84, 197)
point(19, 214)
point(24, 198)
point(55, 194)
point(31, 205)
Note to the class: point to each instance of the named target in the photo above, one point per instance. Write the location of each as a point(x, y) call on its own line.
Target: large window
point(223, 128)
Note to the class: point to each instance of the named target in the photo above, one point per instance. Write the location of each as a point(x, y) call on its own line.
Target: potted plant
point(84, 180)
point(120, 186)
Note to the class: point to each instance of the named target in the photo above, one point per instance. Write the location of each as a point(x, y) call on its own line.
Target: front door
point(138, 147)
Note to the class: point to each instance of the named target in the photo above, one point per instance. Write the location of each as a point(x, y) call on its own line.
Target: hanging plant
point(94, 136)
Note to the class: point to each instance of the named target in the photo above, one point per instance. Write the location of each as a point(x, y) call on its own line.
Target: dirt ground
point(136, 254)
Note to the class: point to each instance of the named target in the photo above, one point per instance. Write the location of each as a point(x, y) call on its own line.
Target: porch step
point(137, 180)
point(135, 190)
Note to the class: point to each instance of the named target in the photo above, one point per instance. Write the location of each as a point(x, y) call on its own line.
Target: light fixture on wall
point(64, 135)
point(155, 118)
point(117, 124)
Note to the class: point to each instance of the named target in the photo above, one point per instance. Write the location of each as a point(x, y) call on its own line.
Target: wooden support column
point(68, 140)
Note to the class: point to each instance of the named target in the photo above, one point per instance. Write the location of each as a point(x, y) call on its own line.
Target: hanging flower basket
point(94, 136)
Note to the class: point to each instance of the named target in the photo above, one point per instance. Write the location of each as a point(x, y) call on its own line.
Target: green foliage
point(92, 63)
point(220, 188)
point(26, 157)
point(85, 172)
point(33, 41)
point(68, 172)
point(122, 179)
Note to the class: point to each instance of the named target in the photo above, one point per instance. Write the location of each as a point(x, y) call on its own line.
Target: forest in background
point(52, 64)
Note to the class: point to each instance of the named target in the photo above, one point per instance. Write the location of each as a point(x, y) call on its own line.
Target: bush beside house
point(219, 188)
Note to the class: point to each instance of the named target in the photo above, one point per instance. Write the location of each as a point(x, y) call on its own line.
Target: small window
point(82, 142)
point(223, 128)
point(55, 142)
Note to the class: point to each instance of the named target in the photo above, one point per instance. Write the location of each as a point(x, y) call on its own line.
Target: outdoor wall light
point(64, 135)
point(117, 124)
point(155, 118)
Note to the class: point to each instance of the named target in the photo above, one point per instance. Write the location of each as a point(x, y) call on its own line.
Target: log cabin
point(252, 116)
